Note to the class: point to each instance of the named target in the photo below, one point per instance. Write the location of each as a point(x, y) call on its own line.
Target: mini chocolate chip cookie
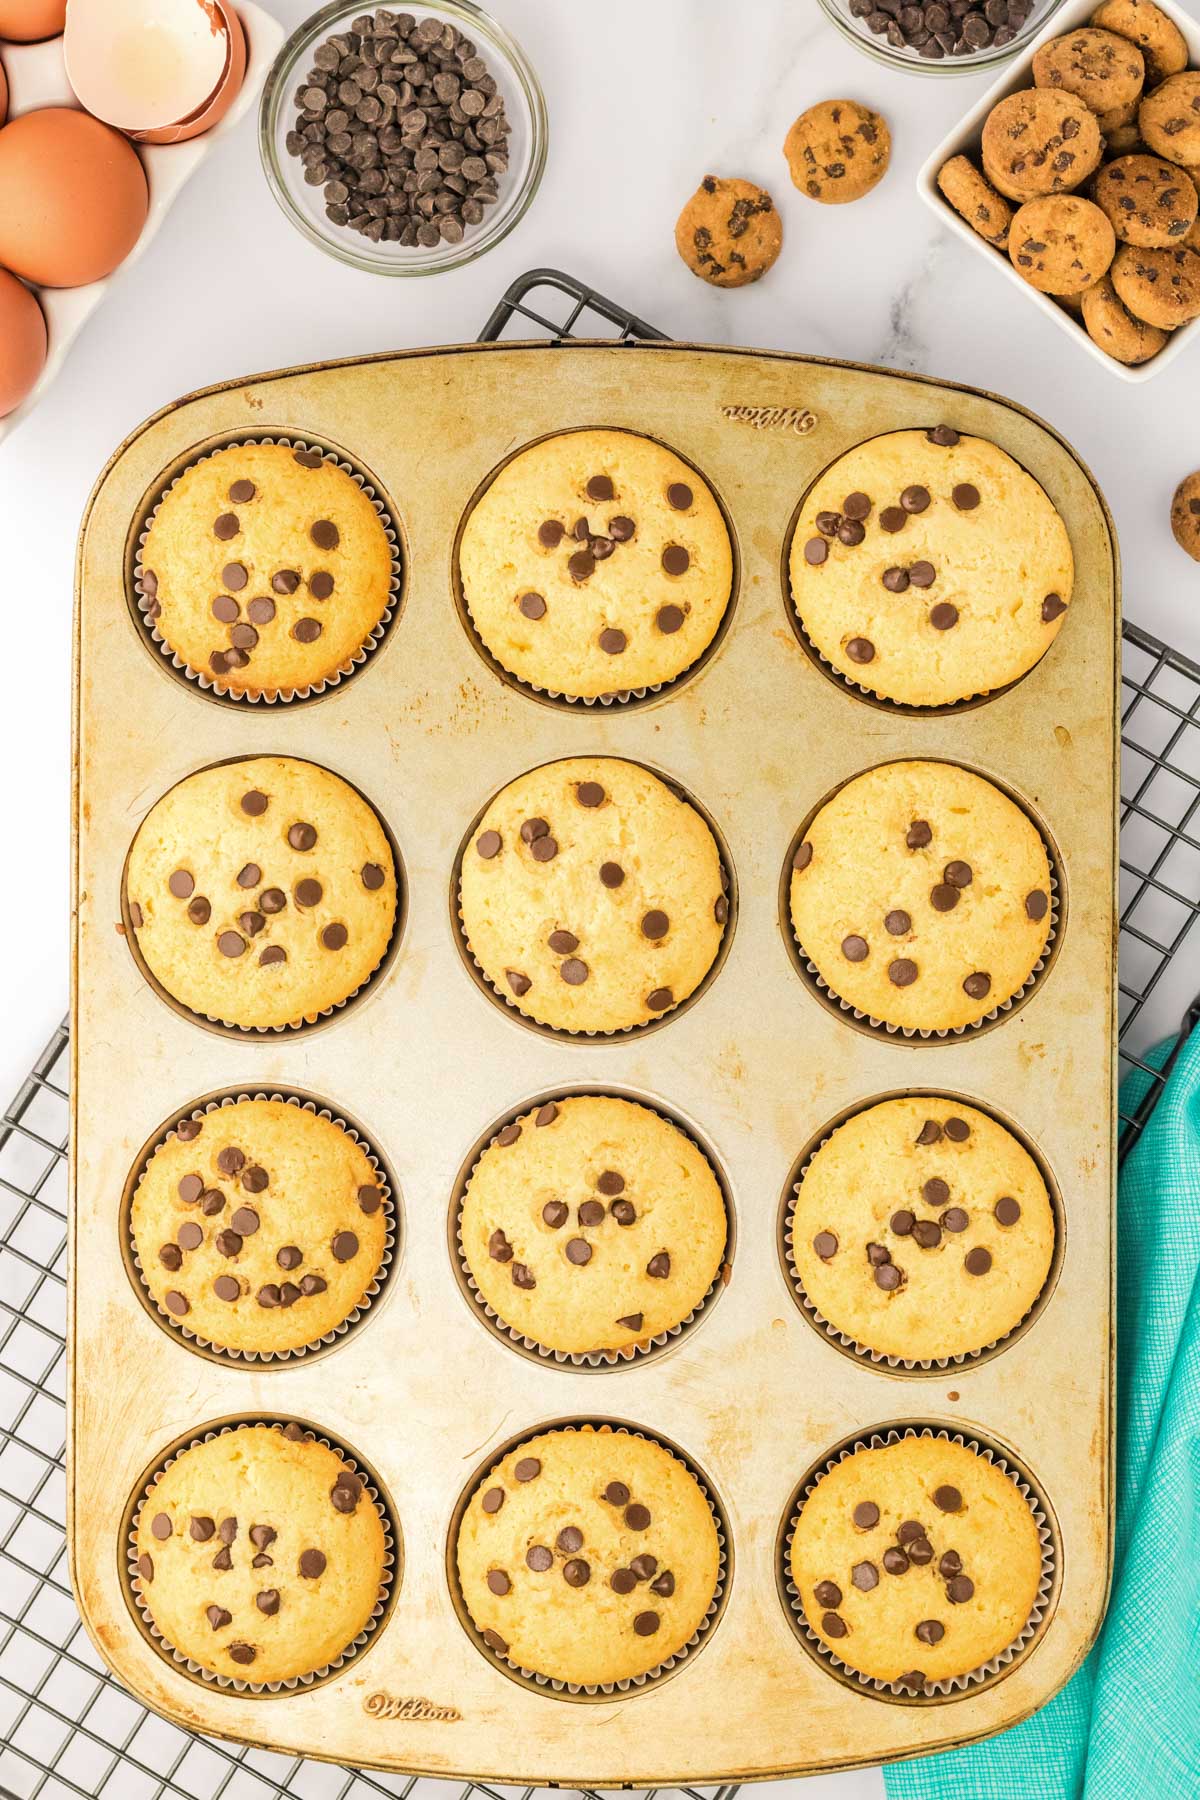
point(1160, 286)
point(1185, 515)
point(1159, 39)
point(837, 151)
point(1169, 118)
point(729, 233)
point(1147, 201)
point(975, 200)
point(1110, 324)
point(1120, 131)
point(1061, 244)
point(1040, 141)
point(1106, 72)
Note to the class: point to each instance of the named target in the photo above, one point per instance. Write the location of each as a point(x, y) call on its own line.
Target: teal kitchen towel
point(1127, 1725)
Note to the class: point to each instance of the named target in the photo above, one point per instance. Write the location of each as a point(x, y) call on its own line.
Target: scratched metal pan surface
point(420, 1389)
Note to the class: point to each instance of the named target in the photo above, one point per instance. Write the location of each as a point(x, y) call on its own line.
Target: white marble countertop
point(644, 99)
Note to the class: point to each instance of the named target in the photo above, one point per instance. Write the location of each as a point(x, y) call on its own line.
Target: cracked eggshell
point(159, 70)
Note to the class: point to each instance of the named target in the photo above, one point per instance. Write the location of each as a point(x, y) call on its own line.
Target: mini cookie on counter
point(261, 892)
point(929, 567)
point(1103, 70)
point(916, 1561)
point(1040, 141)
point(259, 1554)
point(590, 1223)
point(1160, 286)
point(588, 1556)
point(1185, 515)
point(259, 1227)
point(922, 895)
point(595, 563)
point(1162, 44)
point(922, 1229)
point(1147, 201)
point(1111, 324)
point(837, 151)
point(1169, 118)
point(729, 233)
point(266, 568)
point(592, 896)
point(974, 198)
point(1061, 244)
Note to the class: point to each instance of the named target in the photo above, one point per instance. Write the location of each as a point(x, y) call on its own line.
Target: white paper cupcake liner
point(546, 1684)
point(593, 1359)
point(881, 1359)
point(950, 1686)
point(236, 1684)
point(923, 1034)
point(250, 1358)
point(204, 679)
point(909, 709)
point(581, 1036)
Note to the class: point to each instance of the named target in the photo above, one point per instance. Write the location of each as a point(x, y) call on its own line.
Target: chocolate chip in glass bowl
point(404, 128)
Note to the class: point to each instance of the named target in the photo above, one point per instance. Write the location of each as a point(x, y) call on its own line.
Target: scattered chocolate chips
point(579, 1251)
point(935, 1192)
point(957, 1130)
point(895, 580)
point(591, 1212)
point(532, 605)
point(495, 1642)
point(499, 1248)
point(590, 793)
point(519, 983)
point(1037, 904)
point(176, 1303)
point(346, 1492)
point(581, 565)
point(897, 923)
point(616, 1493)
point(826, 1245)
point(893, 518)
point(945, 435)
point(539, 1558)
point(227, 1287)
point(274, 953)
point(675, 559)
point(1053, 607)
point(669, 619)
point(977, 985)
point(577, 1573)
point(267, 1601)
point(866, 1515)
point(833, 1625)
point(369, 1199)
point(860, 650)
point(895, 1561)
point(947, 1499)
point(243, 1654)
point(977, 1261)
point(624, 1212)
point(903, 972)
point(611, 874)
point(659, 1266)
point(815, 552)
point(930, 1631)
point(965, 496)
point(245, 1221)
point(827, 1593)
point(659, 999)
point(171, 1257)
point(1006, 1210)
point(803, 857)
point(307, 631)
point(574, 971)
point(488, 844)
point(612, 641)
point(145, 1566)
point(679, 495)
point(190, 1236)
point(918, 834)
point(637, 1517)
point(865, 1576)
point(855, 949)
point(943, 616)
point(181, 884)
point(528, 1469)
point(308, 892)
point(631, 1321)
point(954, 1219)
point(493, 1500)
point(902, 1222)
point(335, 937)
point(646, 1624)
point(888, 1277)
point(217, 1617)
point(312, 1564)
point(926, 1234)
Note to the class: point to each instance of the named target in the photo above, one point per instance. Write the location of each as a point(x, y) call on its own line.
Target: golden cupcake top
point(592, 896)
point(266, 568)
point(921, 894)
point(927, 567)
point(259, 1554)
point(596, 562)
point(261, 892)
point(922, 1229)
point(260, 1226)
point(592, 1224)
point(588, 1556)
point(916, 1562)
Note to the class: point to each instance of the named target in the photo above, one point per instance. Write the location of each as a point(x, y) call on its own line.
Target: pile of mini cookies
point(1090, 180)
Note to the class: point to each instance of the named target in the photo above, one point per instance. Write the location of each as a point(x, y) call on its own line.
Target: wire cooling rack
point(67, 1727)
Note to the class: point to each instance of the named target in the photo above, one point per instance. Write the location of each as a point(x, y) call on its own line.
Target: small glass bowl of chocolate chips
point(940, 37)
point(403, 141)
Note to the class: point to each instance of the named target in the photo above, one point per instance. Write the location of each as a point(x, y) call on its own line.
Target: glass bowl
point(304, 205)
point(913, 63)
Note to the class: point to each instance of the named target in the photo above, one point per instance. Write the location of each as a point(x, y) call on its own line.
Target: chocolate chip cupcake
point(260, 1227)
point(597, 563)
point(592, 1225)
point(921, 897)
point(916, 1563)
point(261, 893)
point(921, 1231)
point(589, 1556)
point(928, 567)
point(268, 570)
point(592, 896)
point(260, 1555)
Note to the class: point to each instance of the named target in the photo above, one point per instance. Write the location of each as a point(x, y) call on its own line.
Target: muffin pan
point(757, 1065)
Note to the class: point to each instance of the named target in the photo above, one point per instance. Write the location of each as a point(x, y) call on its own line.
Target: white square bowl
point(964, 139)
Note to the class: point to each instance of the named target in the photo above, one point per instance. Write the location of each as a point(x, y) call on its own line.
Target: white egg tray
point(964, 140)
point(37, 77)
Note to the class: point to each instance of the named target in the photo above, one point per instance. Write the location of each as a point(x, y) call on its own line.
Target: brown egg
point(27, 21)
point(73, 197)
point(3, 95)
point(22, 341)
